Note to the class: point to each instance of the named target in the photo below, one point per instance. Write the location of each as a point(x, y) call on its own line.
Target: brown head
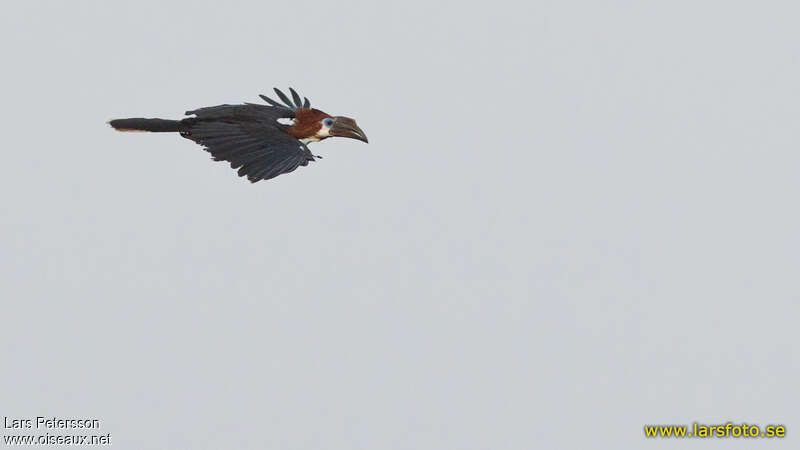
point(314, 125)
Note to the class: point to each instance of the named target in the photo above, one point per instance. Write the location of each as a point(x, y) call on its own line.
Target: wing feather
point(283, 97)
point(296, 98)
point(272, 102)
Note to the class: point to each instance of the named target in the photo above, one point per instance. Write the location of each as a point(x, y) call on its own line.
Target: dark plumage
point(250, 136)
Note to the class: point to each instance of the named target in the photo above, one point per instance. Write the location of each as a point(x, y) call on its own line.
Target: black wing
point(250, 138)
point(292, 105)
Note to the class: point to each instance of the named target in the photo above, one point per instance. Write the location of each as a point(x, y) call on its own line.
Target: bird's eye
point(328, 122)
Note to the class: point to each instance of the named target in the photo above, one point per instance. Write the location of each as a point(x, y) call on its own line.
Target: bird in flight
point(261, 141)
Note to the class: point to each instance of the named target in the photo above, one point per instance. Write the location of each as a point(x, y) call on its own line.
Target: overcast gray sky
point(572, 219)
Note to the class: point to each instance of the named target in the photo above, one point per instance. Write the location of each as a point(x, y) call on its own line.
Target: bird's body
point(255, 138)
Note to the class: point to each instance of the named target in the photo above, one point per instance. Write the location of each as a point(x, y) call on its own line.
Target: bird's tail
point(155, 125)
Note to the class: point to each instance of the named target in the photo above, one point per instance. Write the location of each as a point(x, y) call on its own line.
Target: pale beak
point(346, 127)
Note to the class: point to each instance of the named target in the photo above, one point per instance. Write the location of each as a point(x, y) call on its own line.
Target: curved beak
point(346, 127)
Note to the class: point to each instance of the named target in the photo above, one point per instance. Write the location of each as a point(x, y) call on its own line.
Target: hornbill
point(251, 136)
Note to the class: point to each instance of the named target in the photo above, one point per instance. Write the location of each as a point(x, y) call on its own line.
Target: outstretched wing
point(292, 105)
point(250, 138)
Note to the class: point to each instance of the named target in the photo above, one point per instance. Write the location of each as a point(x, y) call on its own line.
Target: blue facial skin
point(328, 122)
